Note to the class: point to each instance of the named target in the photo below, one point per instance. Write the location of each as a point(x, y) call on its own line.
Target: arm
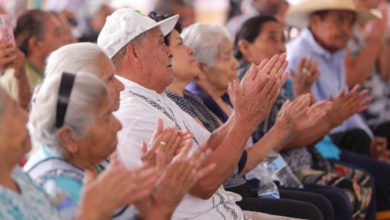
point(275, 139)
point(383, 64)
point(23, 87)
point(24, 91)
point(358, 69)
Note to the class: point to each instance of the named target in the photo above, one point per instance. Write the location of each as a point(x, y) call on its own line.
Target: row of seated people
point(154, 75)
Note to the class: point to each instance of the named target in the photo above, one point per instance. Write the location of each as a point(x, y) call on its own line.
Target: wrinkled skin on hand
point(299, 115)
point(259, 89)
point(346, 105)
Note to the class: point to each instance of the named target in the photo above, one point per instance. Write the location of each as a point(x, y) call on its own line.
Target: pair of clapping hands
point(159, 185)
point(343, 106)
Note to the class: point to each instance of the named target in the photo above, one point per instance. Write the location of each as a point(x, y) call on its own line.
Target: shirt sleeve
point(8, 82)
point(139, 121)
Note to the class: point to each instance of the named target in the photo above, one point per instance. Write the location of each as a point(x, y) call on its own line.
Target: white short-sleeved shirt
point(139, 110)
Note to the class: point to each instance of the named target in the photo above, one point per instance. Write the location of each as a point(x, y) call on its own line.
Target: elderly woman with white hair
point(65, 136)
point(20, 198)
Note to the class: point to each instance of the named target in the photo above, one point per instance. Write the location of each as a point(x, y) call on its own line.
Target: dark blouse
point(193, 106)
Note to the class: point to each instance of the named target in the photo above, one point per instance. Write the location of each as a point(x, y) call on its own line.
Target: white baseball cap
point(126, 24)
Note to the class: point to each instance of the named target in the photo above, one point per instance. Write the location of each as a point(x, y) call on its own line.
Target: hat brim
point(166, 25)
point(301, 19)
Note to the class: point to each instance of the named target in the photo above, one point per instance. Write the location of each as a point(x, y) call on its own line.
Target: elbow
point(206, 195)
point(203, 190)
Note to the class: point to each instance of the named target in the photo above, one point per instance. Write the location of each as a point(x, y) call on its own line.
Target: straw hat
point(299, 15)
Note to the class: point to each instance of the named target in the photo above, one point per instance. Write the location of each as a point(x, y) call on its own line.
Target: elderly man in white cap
point(327, 27)
point(143, 64)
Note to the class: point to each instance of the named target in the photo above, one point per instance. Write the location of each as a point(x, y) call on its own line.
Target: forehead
point(154, 33)
point(341, 14)
point(174, 35)
point(52, 22)
point(104, 66)
point(272, 26)
point(226, 46)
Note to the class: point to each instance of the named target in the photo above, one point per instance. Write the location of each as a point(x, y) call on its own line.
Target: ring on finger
point(306, 72)
point(163, 143)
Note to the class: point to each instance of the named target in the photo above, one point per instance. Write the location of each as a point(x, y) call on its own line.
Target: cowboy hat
point(299, 15)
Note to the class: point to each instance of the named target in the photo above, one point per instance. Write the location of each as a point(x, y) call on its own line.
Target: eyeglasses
point(64, 92)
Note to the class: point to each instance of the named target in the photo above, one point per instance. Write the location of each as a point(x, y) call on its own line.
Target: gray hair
point(75, 58)
point(206, 40)
point(118, 57)
point(167, 6)
point(87, 95)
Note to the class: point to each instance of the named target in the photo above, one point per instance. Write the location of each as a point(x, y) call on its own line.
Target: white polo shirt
point(139, 110)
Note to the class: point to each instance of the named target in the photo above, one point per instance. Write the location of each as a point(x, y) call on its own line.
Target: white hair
point(86, 96)
point(206, 40)
point(75, 58)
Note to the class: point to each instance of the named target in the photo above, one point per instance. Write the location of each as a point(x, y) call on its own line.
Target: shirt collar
point(33, 68)
point(316, 48)
point(137, 88)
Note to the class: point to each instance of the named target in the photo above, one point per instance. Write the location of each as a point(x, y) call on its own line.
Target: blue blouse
point(31, 203)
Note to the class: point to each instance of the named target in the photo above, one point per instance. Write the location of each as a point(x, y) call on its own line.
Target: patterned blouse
point(31, 203)
point(195, 107)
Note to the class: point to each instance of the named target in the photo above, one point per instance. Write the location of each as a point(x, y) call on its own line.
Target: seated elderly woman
point(185, 69)
point(22, 199)
point(72, 119)
point(262, 37)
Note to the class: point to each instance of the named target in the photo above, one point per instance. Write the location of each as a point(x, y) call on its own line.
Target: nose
point(235, 64)
point(282, 48)
point(168, 51)
point(190, 51)
point(118, 85)
point(117, 125)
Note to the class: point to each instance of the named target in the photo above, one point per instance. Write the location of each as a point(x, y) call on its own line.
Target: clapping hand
point(255, 96)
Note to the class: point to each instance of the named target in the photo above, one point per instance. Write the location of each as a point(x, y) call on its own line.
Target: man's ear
point(34, 45)
point(66, 139)
point(243, 46)
point(133, 54)
point(314, 21)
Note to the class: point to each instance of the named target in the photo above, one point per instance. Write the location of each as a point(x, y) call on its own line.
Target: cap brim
point(166, 25)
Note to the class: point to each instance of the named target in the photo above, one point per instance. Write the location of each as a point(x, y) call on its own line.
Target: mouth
point(170, 63)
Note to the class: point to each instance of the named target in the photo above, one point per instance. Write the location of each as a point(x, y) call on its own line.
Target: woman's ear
point(243, 46)
point(66, 139)
point(204, 69)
